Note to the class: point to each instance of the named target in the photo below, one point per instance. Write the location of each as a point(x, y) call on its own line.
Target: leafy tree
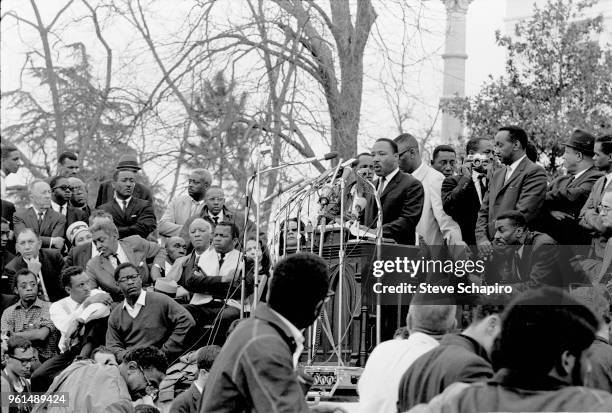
point(557, 78)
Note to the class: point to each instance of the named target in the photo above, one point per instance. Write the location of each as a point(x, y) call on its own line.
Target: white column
point(454, 64)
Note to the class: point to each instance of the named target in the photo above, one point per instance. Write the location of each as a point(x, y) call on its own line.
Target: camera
point(477, 160)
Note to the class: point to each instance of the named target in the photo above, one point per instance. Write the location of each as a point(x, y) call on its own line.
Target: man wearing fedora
point(567, 194)
point(126, 163)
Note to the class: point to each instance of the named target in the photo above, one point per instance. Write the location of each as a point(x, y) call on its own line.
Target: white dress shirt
point(388, 178)
point(57, 207)
point(435, 225)
point(219, 216)
point(66, 310)
point(297, 336)
point(475, 176)
point(140, 302)
point(510, 169)
point(231, 267)
point(120, 201)
point(120, 254)
point(380, 380)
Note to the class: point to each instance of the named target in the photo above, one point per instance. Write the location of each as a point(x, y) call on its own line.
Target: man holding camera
point(462, 194)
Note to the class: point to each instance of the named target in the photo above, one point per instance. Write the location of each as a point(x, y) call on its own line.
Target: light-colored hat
point(166, 286)
point(75, 229)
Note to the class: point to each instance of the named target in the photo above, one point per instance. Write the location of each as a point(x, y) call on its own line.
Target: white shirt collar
point(139, 302)
point(389, 177)
point(56, 207)
point(608, 178)
point(297, 336)
point(36, 211)
point(200, 389)
point(578, 174)
point(120, 201)
point(515, 163)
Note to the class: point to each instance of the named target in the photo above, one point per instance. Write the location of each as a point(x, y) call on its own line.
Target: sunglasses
point(151, 389)
point(63, 188)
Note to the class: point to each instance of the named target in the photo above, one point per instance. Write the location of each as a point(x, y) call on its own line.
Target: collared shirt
point(18, 318)
point(577, 175)
point(120, 201)
point(510, 170)
point(388, 178)
point(475, 176)
point(608, 180)
point(66, 310)
point(133, 311)
point(120, 254)
point(219, 216)
point(197, 385)
point(56, 207)
point(196, 206)
point(297, 336)
point(209, 262)
point(36, 211)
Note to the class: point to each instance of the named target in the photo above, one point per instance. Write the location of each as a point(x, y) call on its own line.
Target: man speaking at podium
point(401, 196)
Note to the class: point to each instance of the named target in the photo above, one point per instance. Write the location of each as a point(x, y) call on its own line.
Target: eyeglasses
point(404, 151)
point(63, 188)
point(151, 389)
point(127, 278)
point(216, 199)
point(24, 361)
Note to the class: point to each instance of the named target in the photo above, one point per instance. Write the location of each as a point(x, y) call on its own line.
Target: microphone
point(347, 163)
point(281, 190)
point(326, 157)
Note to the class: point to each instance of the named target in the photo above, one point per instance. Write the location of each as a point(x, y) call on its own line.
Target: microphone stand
point(379, 236)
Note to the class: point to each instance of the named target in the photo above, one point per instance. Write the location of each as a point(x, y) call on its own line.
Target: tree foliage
point(557, 78)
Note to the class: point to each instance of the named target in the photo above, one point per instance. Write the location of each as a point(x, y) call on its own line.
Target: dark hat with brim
point(128, 162)
point(582, 141)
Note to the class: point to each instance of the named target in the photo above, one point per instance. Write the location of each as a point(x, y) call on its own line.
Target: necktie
point(124, 204)
point(508, 174)
point(61, 211)
point(216, 219)
point(381, 186)
point(40, 219)
point(571, 179)
point(221, 259)
point(603, 187)
point(116, 257)
point(517, 264)
point(483, 185)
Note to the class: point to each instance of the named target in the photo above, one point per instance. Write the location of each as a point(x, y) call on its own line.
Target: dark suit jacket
point(458, 358)
point(187, 401)
point(75, 214)
point(86, 209)
point(139, 218)
point(254, 371)
point(106, 191)
point(78, 256)
point(525, 191)
point(569, 197)
point(461, 203)
point(8, 210)
point(589, 217)
point(53, 225)
point(52, 266)
point(402, 204)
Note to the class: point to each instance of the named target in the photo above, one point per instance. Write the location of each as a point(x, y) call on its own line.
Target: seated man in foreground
point(255, 370)
point(146, 318)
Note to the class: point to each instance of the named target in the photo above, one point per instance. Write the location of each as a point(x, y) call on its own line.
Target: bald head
point(408, 147)
point(431, 319)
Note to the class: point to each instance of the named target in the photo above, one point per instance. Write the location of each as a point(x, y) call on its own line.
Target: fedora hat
point(582, 141)
point(128, 162)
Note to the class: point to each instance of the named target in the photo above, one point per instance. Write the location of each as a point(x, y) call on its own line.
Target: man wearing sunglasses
point(18, 360)
point(61, 192)
point(94, 387)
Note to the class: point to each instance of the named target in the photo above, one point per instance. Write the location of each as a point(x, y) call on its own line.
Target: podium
point(358, 305)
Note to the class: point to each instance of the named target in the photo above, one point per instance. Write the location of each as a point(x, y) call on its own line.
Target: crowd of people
point(100, 302)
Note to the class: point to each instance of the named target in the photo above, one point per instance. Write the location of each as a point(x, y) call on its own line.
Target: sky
point(422, 81)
